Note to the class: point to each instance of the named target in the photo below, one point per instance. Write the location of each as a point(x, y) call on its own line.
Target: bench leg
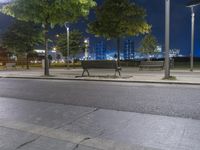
point(118, 72)
point(85, 70)
point(88, 73)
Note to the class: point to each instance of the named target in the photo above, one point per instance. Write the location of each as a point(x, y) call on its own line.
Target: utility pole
point(67, 29)
point(191, 5)
point(192, 40)
point(167, 38)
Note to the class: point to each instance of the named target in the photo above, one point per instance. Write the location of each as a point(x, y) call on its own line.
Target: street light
point(67, 29)
point(191, 5)
point(55, 49)
point(86, 41)
point(167, 38)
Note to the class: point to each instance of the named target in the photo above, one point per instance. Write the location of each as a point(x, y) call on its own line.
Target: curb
point(103, 80)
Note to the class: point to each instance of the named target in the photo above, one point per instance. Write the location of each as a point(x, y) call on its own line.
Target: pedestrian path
point(128, 75)
point(30, 125)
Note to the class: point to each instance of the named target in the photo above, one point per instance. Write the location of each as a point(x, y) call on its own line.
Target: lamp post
point(191, 5)
point(192, 40)
point(67, 29)
point(167, 38)
point(86, 41)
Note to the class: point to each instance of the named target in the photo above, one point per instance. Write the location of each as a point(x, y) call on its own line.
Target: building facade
point(100, 49)
point(129, 49)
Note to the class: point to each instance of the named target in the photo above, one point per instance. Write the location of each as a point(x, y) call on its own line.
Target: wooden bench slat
point(151, 64)
point(10, 65)
point(104, 64)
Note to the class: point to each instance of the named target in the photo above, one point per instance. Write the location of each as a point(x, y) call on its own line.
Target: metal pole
point(86, 48)
point(192, 40)
point(67, 28)
point(67, 47)
point(167, 38)
point(46, 59)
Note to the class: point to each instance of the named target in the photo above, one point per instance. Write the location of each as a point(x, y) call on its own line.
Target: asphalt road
point(168, 100)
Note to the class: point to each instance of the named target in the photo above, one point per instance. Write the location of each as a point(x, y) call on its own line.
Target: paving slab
point(94, 129)
point(141, 129)
point(100, 122)
point(11, 139)
point(45, 143)
point(41, 113)
point(69, 137)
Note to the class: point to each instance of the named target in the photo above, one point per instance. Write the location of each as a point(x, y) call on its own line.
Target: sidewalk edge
point(101, 80)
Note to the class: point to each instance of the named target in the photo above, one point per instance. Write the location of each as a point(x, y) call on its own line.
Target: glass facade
point(128, 49)
point(100, 49)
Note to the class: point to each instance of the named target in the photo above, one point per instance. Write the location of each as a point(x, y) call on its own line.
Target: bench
point(100, 64)
point(10, 65)
point(151, 64)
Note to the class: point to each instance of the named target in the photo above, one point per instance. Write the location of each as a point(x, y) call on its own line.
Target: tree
point(48, 13)
point(21, 38)
point(76, 43)
point(119, 18)
point(148, 45)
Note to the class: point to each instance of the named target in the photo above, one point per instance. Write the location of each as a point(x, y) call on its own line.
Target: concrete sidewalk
point(30, 125)
point(128, 75)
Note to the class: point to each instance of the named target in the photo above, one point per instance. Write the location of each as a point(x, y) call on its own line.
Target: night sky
point(180, 25)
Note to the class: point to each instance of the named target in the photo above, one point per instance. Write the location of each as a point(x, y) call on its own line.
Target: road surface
point(167, 100)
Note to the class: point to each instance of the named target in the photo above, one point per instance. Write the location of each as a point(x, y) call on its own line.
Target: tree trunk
point(149, 58)
point(27, 62)
point(73, 62)
point(118, 51)
point(46, 66)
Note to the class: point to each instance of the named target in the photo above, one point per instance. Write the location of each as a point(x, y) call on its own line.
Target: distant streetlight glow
point(54, 48)
point(87, 42)
point(191, 5)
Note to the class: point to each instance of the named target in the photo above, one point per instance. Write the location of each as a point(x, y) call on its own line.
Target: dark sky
point(180, 24)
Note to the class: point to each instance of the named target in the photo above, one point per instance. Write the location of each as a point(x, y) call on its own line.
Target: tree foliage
point(76, 43)
point(148, 44)
point(48, 13)
point(118, 18)
point(22, 37)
